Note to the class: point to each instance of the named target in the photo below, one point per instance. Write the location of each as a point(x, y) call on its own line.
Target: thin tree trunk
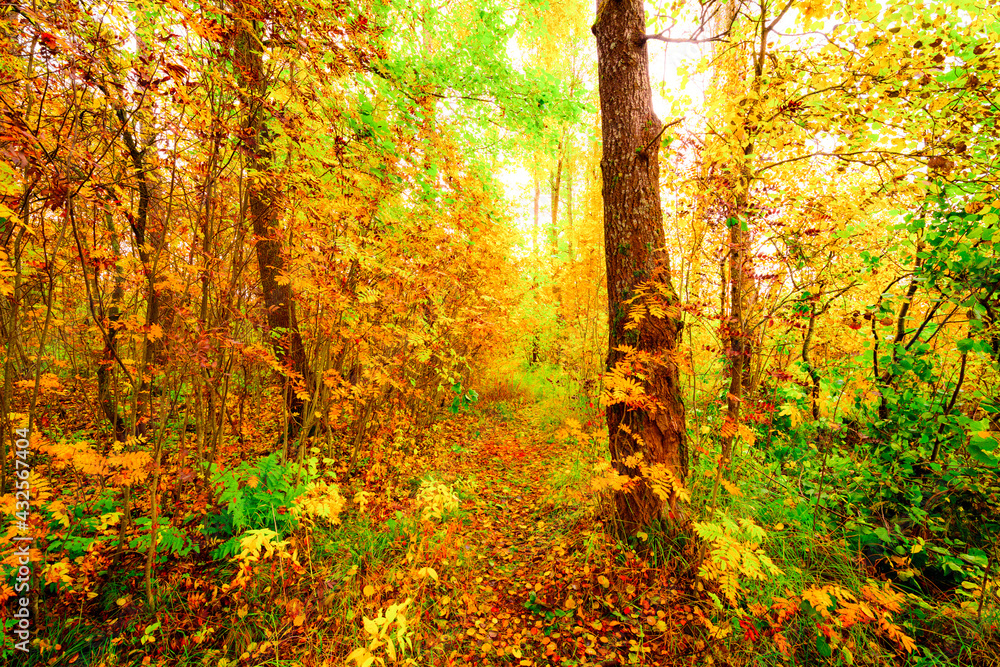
point(569, 211)
point(535, 342)
point(555, 182)
point(736, 322)
point(109, 355)
point(807, 362)
point(738, 348)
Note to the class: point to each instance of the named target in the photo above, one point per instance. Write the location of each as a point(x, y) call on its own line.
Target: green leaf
point(882, 534)
point(823, 648)
point(982, 455)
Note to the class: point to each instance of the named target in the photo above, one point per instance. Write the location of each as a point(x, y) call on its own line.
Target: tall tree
point(265, 201)
point(636, 258)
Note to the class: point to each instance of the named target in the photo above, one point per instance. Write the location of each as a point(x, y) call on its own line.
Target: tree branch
point(694, 39)
point(658, 134)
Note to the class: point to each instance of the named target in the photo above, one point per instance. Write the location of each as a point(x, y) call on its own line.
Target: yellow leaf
point(731, 488)
point(299, 620)
point(790, 411)
point(603, 581)
point(369, 591)
point(390, 649)
point(362, 656)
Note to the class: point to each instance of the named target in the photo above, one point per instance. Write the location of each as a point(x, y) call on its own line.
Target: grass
point(545, 394)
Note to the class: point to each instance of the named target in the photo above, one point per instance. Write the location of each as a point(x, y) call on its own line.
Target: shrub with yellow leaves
point(436, 499)
point(382, 636)
point(735, 553)
point(320, 501)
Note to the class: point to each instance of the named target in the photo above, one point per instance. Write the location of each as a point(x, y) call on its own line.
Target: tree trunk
point(569, 212)
point(535, 339)
point(735, 326)
point(555, 184)
point(110, 319)
point(635, 254)
point(739, 348)
point(264, 197)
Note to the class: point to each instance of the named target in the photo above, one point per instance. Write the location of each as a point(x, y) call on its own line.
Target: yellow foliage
point(731, 488)
point(608, 479)
point(361, 500)
point(435, 499)
point(6, 271)
point(735, 552)
point(127, 468)
point(634, 460)
point(133, 467)
point(820, 600)
point(320, 501)
point(625, 382)
point(792, 412)
point(620, 389)
point(381, 635)
point(842, 609)
point(108, 520)
point(884, 597)
point(57, 510)
point(57, 573)
point(665, 484)
point(47, 383)
point(254, 542)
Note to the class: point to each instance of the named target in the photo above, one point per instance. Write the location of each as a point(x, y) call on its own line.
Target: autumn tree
point(265, 204)
point(642, 314)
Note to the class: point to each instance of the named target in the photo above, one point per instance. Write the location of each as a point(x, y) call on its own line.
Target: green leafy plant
point(254, 496)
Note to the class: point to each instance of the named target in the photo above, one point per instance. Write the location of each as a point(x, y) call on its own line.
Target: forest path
point(546, 586)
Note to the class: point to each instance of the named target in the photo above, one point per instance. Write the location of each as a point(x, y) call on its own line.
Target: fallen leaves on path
point(545, 585)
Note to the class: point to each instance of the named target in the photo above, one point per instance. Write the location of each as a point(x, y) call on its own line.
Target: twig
point(658, 134)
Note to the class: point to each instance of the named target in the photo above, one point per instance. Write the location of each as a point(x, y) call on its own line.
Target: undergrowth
point(487, 541)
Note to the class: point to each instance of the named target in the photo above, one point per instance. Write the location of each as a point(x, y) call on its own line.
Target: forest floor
point(545, 584)
point(482, 542)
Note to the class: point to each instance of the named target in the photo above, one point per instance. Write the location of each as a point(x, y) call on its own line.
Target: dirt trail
point(537, 596)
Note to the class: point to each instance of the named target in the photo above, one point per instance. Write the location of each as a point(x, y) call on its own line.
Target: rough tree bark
point(264, 198)
point(634, 254)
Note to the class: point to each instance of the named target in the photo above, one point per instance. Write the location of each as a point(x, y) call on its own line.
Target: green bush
point(251, 497)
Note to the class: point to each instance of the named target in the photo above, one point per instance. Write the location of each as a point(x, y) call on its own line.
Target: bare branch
point(781, 15)
point(684, 40)
point(658, 134)
point(693, 39)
